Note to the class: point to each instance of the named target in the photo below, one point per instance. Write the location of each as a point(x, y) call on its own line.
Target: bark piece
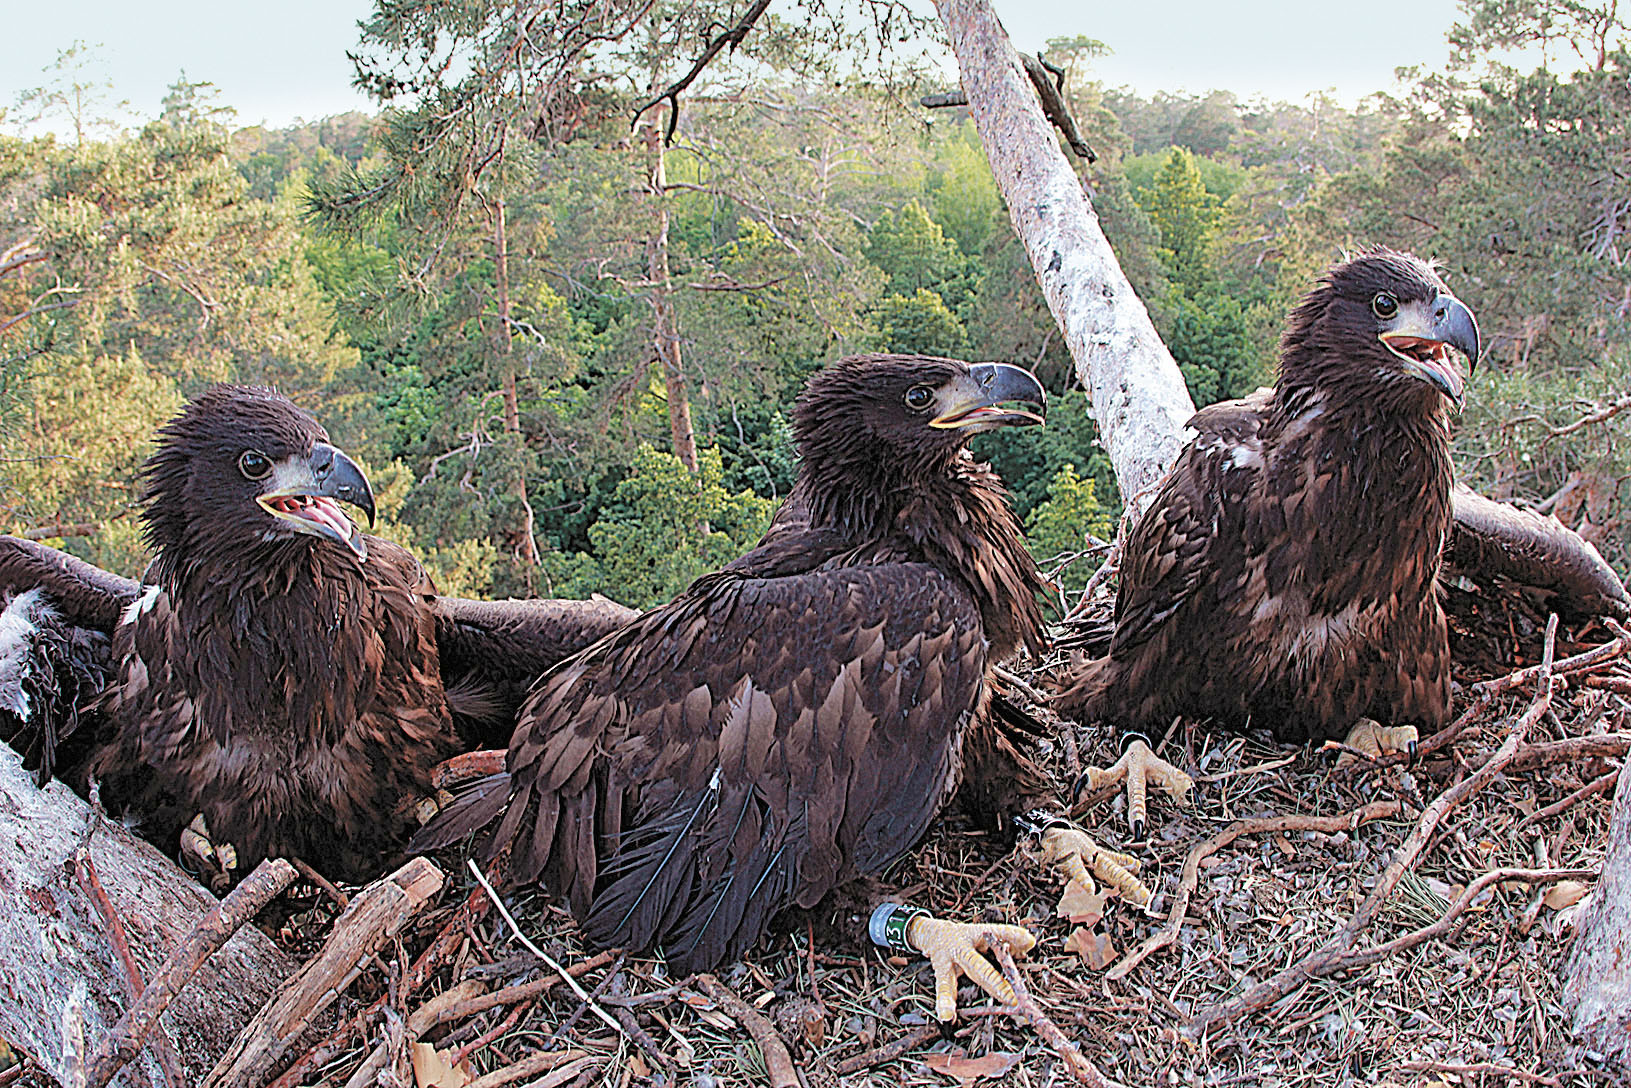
point(55, 952)
point(1597, 973)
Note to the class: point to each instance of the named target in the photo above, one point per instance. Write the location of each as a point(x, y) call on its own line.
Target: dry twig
point(163, 1049)
point(549, 1063)
point(326, 885)
point(1365, 957)
point(525, 991)
point(1606, 746)
point(778, 1063)
point(889, 1051)
point(1598, 785)
point(1069, 1053)
point(217, 927)
point(1330, 955)
point(1377, 810)
point(568, 978)
point(1480, 1069)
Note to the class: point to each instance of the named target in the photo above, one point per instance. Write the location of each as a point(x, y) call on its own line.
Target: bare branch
point(732, 37)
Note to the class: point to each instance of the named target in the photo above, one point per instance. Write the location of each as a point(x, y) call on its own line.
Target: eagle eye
point(254, 464)
point(1384, 305)
point(919, 397)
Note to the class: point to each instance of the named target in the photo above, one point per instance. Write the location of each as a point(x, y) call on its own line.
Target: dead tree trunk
point(527, 552)
point(1139, 397)
point(1598, 970)
point(665, 333)
point(61, 984)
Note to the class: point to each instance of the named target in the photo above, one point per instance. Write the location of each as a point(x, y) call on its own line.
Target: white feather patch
point(19, 623)
point(144, 603)
point(1245, 457)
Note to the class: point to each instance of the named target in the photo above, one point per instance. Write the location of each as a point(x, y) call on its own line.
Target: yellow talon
point(216, 863)
point(1139, 766)
point(955, 948)
point(1071, 851)
point(1376, 740)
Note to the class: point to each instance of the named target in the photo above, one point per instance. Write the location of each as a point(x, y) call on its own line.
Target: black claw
point(948, 1029)
point(1128, 738)
point(1410, 754)
point(1078, 787)
point(1138, 830)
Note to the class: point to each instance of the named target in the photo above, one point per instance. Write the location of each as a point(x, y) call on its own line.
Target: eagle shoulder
point(1198, 529)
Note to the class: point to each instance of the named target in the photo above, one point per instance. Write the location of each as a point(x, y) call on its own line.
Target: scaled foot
point(1140, 767)
point(1077, 858)
point(953, 948)
point(215, 865)
point(957, 948)
point(1376, 740)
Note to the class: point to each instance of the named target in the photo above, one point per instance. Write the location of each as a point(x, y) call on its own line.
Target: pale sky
point(274, 63)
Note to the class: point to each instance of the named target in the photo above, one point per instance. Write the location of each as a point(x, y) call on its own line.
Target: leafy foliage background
point(809, 211)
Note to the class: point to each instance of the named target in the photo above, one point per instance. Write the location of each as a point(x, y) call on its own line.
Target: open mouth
point(1010, 415)
point(317, 515)
point(1419, 348)
point(1428, 360)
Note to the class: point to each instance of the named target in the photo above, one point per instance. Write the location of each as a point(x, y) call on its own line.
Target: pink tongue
point(327, 512)
point(1443, 364)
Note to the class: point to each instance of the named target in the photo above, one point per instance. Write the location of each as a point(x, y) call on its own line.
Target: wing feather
point(491, 652)
point(760, 758)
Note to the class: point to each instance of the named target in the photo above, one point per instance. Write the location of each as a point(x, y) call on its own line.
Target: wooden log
point(62, 986)
point(1597, 974)
point(375, 915)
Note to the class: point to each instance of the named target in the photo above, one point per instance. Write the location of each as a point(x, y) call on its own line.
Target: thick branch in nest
point(121, 1044)
point(55, 952)
point(373, 917)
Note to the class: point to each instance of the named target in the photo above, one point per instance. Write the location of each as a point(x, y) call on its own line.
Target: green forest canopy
point(491, 387)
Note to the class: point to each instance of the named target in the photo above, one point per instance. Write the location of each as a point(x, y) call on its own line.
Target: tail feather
point(651, 874)
point(730, 912)
point(760, 885)
point(703, 884)
point(477, 807)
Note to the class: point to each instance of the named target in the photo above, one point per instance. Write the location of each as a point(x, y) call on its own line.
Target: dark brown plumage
point(1284, 576)
point(796, 719)
point(276, 669)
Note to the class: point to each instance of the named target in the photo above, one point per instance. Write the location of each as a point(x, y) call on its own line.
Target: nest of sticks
point(1379, 923)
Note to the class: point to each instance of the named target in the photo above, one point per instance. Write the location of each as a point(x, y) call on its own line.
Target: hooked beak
point(301, 492)
point(1418, 335)
point(988, 398)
